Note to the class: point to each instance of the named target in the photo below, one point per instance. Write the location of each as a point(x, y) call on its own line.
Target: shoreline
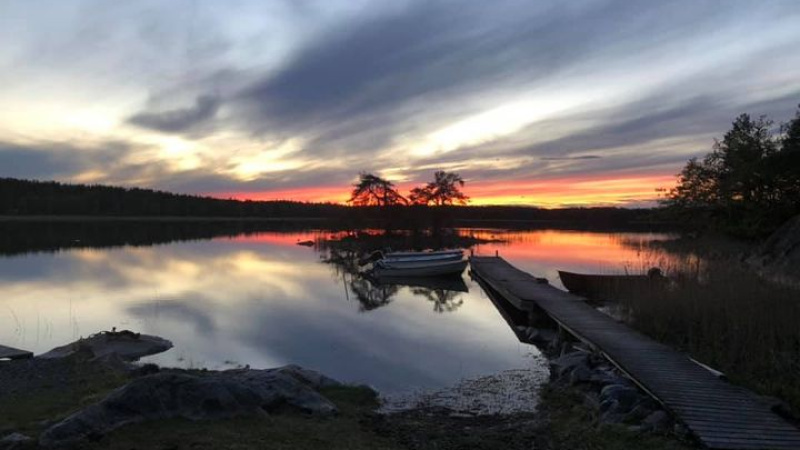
point(76, 398)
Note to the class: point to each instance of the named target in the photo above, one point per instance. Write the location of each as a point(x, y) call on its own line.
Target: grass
point(568, 424)
point(61, 390)
point(572, 424)
point(727, 317)
point(50, 391)
point(285, 431)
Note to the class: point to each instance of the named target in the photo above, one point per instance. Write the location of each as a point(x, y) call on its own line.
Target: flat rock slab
point(215, 395)
point(129, 346)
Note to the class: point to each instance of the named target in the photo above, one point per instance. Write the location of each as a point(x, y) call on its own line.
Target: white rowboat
point(419, 268)
point(451, 253)
point(422, 257)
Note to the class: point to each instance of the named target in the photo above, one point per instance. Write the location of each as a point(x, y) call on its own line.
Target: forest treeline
point(50, 198)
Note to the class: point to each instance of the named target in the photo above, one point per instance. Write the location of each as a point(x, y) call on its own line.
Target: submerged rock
point(127, 345)
point(196, 397)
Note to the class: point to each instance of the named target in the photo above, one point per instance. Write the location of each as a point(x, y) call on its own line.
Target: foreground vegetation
point(573, 424)
point(61, 387)
point(726, 316)
point(284, 431)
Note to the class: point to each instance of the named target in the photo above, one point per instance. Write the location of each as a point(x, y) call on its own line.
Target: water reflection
point(372, 296)
point(261, 299)
point(374, 292)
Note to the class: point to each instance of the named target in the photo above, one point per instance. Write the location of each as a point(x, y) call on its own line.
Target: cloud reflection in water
point(267, 302)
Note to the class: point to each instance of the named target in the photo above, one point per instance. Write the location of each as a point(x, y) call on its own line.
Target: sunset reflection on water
point(261, 299)
point(544, 252)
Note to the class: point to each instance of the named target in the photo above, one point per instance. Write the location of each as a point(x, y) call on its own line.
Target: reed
point(725, 316)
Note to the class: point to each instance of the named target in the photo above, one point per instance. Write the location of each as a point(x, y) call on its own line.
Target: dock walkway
point(14, 353)
point(719, 414)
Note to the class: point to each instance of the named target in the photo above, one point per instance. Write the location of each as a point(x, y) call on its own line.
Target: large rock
point(626, 397)
point(127, 345)
point(779, 257)
point(569, 362)
point(196, 397)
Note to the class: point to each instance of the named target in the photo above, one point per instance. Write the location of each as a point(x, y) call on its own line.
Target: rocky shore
point(89, 394)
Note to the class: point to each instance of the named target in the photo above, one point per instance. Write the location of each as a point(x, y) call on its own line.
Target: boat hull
point(420, 269)
point(457, 254)
point(608, 287)
point(422, 258)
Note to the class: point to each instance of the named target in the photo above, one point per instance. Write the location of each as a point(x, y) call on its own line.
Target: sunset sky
point(532, 102)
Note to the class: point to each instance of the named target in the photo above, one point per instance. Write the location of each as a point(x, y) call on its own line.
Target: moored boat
point(422, 257)
point(611, 286)
point(419, 268)
point(413, 257)
point(455, 253)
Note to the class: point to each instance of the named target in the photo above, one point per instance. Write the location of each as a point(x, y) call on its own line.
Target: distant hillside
point(49, 198)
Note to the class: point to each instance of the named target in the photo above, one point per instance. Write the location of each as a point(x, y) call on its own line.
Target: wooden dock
point(14, 353)
point(720, 415)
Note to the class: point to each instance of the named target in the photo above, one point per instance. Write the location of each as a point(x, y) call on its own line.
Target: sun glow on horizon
point(632, 190)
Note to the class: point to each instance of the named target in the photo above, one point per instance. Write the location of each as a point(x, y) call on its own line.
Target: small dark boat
point(609, 287)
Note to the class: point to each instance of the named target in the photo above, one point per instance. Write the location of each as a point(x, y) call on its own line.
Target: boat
point(456, 253)
point(611, 286)
point(422, 257)
point(418, 268)
point(413, 257)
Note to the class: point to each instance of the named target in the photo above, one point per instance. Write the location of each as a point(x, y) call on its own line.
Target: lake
point(259, 299)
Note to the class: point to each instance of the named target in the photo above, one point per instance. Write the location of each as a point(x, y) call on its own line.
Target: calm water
point(262, 300)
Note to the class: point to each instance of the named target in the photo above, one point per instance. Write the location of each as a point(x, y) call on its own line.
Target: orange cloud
point(596, 190)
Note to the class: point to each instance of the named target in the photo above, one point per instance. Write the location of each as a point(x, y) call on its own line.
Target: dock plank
point(720, 415)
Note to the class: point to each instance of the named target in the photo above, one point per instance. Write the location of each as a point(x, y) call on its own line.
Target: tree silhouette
point(445, 189)
point(786, 164)
point(749, 183)
point(372, 190)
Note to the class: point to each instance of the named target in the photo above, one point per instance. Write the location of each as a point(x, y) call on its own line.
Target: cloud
point(385, 80)
point(194, 311)
point(570, 158)
point(368, 81)
point(179, 120)
point(654, 134)
point(58, 160)
point(362, 88)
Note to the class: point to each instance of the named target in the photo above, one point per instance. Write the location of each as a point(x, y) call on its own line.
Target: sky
point(546, 103)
